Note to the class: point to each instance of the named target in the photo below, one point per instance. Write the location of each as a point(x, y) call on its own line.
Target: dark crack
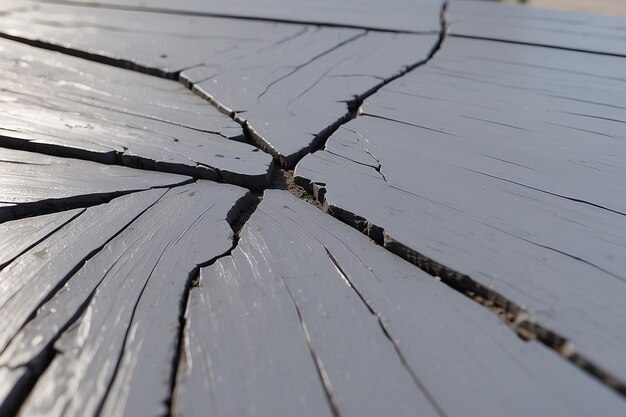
point(510, 312)
point(576, 200)
point(297, 68)
point(236, 217)
point(36, 242)
point(38, 365)
point(102, 59)
point(196, 170)
point(48, 206)
point(319, 365)
point(372, 309)
point(319, 141)
point(283, 179)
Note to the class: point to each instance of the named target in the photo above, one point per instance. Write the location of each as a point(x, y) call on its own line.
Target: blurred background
point(612, 7)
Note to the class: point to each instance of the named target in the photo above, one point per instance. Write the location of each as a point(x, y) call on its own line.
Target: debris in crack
point(296, 268)
point(32, 184)
point(526, 211)
point(138, 281)
point(282, 179)
point(91, 111)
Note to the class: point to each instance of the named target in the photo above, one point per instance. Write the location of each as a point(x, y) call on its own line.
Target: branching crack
point(308, 62)
point(37, 366)
point(387, 333)
point(236, 218)
point(514, 315)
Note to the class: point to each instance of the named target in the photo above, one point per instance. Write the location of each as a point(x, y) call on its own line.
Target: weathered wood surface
point(129, 295)
point(111, 115)
point(31, 183)
point(493, 164)
point(405, 15)
point(17, 236)
point(386, 337)
point(504, 163)
point(521, 24)
point(307, 86)
point(290, 84)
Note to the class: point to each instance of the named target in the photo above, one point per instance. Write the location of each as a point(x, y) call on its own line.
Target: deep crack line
point(511, 313)
point(354, 106)
point(38, 365)
point(237, 217)
point(318, 141)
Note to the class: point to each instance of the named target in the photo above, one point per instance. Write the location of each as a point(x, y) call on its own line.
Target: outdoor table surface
point(297, 208)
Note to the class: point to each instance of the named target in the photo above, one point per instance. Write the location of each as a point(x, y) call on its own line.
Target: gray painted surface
point(17, 236)
point(500, 161)
point(111, 115)
point(119, 353)
point(300, 90)
point(31, 182)
point(523, 24)
point(289, 83)
point(406, 15)
point(37, 274)
point(504, 163)
point(358, 304)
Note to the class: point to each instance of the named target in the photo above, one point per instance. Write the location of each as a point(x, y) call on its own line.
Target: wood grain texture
point(37, 274)
point(117, 357)
point(370, 319)
point(290, 85)
point(92, 111)
point(299, 92)
point(503, 163)
point(31, 183)
point(406, 15)
point(523, 24)
point(17, 236)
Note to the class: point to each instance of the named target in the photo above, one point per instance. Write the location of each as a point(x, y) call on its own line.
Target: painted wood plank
point(503, 163)
point(111, 115)
point(40, 272)
point(17, 236)
point(518, 23)
point(421, 15)
point(248, 302)
point(299, 92)
point(31, 183)
point(289, 84)
point(118, 357)
point(244, 349)
point(297, 270)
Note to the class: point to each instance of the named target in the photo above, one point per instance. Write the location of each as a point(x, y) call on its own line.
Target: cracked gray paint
point(500, 162)
point(110, 115)
point(362, 312)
